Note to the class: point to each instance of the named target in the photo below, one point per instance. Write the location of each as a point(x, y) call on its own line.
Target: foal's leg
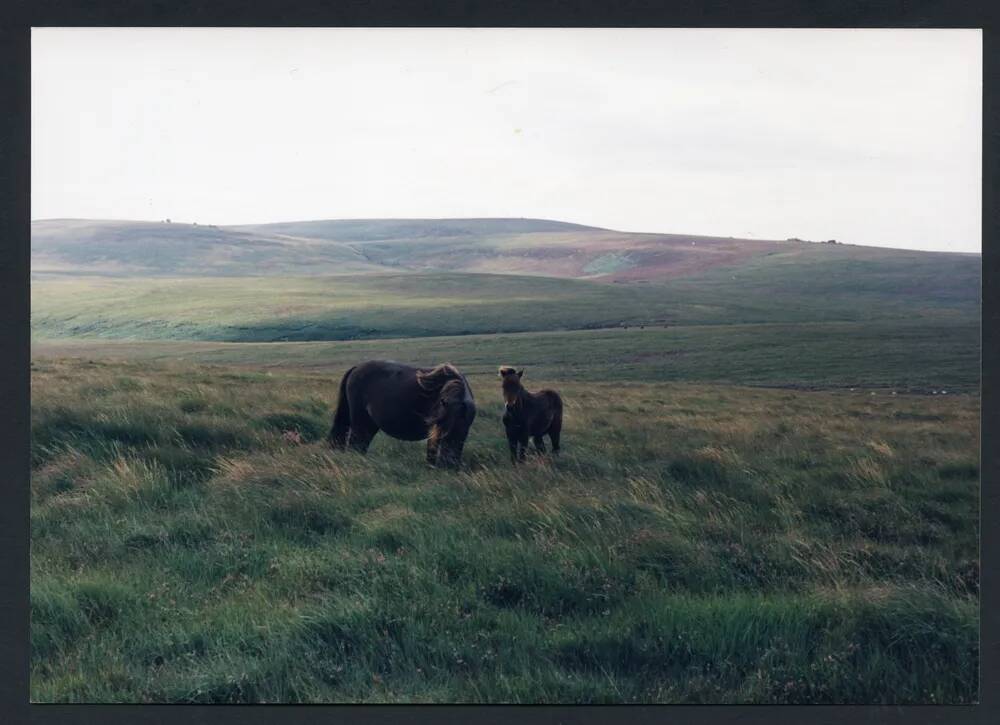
point(512, 445)
point(432, 450)
point(522, 447)
point(554, 431)
point(539, 444)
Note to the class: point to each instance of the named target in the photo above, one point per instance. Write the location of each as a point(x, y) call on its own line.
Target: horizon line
point(167, 220)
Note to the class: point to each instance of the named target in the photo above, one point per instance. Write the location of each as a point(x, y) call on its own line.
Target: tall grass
point(194, 541)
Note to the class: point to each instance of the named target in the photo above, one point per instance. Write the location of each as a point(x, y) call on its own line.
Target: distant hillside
point(338, 280)
point(366, 230)
point(127, 248)
point(499, 246)
point(534, 247)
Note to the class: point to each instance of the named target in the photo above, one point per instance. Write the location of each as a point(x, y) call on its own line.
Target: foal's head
point(510, 383)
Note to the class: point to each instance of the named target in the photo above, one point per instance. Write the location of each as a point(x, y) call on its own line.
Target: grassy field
point(822, 287)
point(915, 356)
point(332, 308)
point(769, 489)
point(194, 541)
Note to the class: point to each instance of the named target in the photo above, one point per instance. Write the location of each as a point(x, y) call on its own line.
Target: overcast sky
point(866, 136)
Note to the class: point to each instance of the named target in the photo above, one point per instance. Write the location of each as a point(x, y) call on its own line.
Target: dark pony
point(529, 415)
point(407, 403)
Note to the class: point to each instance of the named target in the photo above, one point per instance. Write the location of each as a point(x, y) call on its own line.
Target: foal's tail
point(342, 418)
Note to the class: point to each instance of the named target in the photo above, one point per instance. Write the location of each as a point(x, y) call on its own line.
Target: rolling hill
point(125, 248)
point(500, 246)
point(361, 279)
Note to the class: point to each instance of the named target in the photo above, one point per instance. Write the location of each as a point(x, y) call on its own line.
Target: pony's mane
point(448, 385)
point(434, 379)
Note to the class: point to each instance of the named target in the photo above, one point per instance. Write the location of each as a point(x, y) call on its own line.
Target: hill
point(334, 280)
point(369, 230)
point(126, 248)
point(503, 246)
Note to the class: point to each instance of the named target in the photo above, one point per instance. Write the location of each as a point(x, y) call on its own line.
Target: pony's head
point(451, 413)
point(510, 383)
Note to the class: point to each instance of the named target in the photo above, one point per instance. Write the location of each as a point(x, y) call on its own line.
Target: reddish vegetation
point(531, 247)
point(655, 256)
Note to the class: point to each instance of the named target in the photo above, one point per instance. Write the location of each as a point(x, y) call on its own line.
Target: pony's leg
point(554, 431)
point(432, 450)
point(363, 429)
point(539, 444)
point(359, 440)
point(522, 447)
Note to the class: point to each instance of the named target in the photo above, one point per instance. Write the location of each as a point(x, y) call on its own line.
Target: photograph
point(481, 365)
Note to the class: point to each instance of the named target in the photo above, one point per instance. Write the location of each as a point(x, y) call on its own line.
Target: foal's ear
point(520, 372)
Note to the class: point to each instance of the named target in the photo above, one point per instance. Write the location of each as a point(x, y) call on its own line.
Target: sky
point(865, 136)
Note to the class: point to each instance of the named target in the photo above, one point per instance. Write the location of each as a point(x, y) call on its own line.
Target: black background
point(16, 19)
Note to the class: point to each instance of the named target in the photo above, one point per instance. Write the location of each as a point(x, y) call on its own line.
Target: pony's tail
point(342, 418)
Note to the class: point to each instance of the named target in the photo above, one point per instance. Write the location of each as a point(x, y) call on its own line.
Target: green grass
point(754, 504)
point(918, 356)
point(193, 541)
point(327, 308)
point(869, 277)
point(820, 283)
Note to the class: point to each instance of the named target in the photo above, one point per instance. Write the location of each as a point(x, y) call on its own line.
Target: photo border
point(15, 169)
